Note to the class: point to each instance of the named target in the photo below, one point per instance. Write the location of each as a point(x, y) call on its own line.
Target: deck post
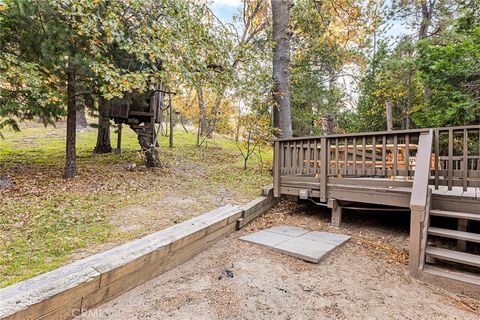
point(416, 227)
point(323, 169)
point(419, 201)
point(276, 169)
point(462, 226)
point(118, 150)
point(336, 212)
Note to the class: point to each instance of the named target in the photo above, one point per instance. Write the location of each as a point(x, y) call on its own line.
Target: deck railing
point(455, 159)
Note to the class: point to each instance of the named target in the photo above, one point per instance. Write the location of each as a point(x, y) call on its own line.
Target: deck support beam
point(336, 212)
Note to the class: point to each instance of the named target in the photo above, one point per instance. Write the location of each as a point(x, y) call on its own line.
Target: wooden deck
point(427, 171)
point(381, 191)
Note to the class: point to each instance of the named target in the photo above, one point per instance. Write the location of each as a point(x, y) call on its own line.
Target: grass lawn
point(46, 221)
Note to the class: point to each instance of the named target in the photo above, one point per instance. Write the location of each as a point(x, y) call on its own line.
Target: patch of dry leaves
point(315, 218)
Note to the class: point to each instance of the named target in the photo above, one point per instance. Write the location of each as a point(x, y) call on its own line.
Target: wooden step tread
point(459, 276)
point(455, 256)
point(452, 214)
point(454, 234)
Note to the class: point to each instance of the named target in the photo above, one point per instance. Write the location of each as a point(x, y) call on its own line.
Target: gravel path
point(367, 278)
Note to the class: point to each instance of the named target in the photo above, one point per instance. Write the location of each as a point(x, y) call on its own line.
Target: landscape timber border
point(68, 291)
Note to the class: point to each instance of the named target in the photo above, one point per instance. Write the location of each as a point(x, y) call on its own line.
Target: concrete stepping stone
point(269, 239)
point(328, 237)
point(287, 230)
point(307, 245)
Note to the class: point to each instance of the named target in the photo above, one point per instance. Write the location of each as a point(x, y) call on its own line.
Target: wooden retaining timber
point(257, 207)
point(68, 291)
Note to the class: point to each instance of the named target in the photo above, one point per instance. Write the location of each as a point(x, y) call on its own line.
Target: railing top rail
point(360, 134)
point(470, 127)
point(378, 133)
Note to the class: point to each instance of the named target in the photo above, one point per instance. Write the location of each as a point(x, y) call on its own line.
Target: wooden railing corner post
point(276, 169)
point(415, 241)
point(419, 201)
point(323, 169)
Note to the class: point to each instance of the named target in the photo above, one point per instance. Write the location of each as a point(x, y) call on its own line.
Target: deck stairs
point(439, 254)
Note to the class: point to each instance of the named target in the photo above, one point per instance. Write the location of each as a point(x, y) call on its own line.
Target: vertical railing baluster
point(437, 158)
point(337, 168)
point(465, 160)
point(289, 159)
point(323, 169)
point(301, 157)
point(276, 167)
point(364, 142)
point(395, 155)
point(374, 155)
point(329, 158)
point(315, 157)
point(450, 159)
point(354, 159)
point(295, 158)
point(384, 155)
point(309, 157)
point(345, 167)
point(407, 156)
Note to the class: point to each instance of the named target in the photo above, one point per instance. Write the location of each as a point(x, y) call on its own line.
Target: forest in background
point(283, 67)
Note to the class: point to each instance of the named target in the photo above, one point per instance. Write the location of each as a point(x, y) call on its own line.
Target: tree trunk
point(202, 109)
point(329, 125)
point(426, 14)
point(147, 137)
point(281, 63)
point(427, 8)
point(81, 119)
point(152, 158)
point(212, 124)
point(70, 163)
point(276, 116)
point(388, 109)
point(237, 129)
point(103, 136)
point(182, 122)
point(409, 100)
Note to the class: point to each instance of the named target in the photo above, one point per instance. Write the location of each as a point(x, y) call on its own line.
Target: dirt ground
point(47, 221)
point(367, 278)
